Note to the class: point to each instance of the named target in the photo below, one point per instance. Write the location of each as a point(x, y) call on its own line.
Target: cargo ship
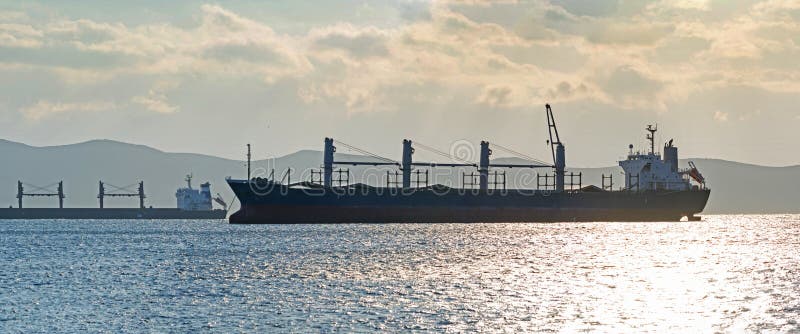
point(655, 189)
point(191, 204)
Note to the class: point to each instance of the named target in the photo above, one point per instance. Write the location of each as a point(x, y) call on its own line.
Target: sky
point(720, 77)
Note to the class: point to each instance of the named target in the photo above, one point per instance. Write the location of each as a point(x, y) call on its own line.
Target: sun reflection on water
point(724, 274)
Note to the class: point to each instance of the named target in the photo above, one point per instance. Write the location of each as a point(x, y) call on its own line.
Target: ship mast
point(652, 137)
point(248, 161)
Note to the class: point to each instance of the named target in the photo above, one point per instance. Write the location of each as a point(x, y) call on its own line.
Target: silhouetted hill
point(736, 187)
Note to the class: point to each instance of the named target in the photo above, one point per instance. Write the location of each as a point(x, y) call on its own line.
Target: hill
point(736, 187)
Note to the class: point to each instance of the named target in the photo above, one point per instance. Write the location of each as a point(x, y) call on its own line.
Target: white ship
point(191, 199)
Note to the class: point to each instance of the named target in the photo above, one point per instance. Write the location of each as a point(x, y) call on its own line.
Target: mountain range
point(736, 187)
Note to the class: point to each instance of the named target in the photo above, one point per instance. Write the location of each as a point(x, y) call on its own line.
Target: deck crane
point(220, 201)
point(121, 192)
point(556, 148)
point(694, 173)
point(41, 192)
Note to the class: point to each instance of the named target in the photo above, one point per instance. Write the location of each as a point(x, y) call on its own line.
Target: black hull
point(339, 215)
point(108, 213)
point(282, 205)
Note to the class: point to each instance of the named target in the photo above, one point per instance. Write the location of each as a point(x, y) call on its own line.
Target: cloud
point(497, 96)
point(155, 102)
point(641, 33)
point(13, 16)
point(750, 115)
point(156, 98)
point(776, 6)
point(357, 42)
point(702, 5)
point(47, 109)
point(720, 116)
point(588, 8)
point(244, 51)
point(631, 88)
point(466, 55)
point(86, 34)
point(561, 58)
point(479, 3)
point(19, 36)
point(565, 91)
point(679, 49)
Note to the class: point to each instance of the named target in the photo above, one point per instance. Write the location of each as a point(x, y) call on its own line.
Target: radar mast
point(652, 137)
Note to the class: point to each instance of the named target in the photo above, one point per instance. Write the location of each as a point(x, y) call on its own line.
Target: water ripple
point(727, 273)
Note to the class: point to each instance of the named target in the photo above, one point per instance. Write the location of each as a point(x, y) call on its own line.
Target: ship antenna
point(248, 161)
point(652, 138)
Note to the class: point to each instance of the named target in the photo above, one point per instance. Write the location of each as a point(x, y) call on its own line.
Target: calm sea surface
point(725, 274)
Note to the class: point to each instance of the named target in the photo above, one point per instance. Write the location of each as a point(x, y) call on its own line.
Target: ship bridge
point(648, 171)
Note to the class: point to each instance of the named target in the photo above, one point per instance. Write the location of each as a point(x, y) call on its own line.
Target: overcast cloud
point(721, 77)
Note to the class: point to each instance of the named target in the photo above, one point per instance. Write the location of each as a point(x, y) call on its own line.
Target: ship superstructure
point(648, 171)
point(194, 199)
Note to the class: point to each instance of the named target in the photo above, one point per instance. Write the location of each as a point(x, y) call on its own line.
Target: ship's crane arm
point(553, 130)
point(695, 174)
point(220, 201)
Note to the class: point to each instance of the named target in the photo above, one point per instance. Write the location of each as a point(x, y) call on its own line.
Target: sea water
point(725, 273)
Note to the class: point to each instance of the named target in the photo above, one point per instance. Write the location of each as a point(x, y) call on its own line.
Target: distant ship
point(655, 189)
point(191, 204)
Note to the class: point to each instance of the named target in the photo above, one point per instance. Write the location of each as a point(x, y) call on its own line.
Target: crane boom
point(551, 128)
